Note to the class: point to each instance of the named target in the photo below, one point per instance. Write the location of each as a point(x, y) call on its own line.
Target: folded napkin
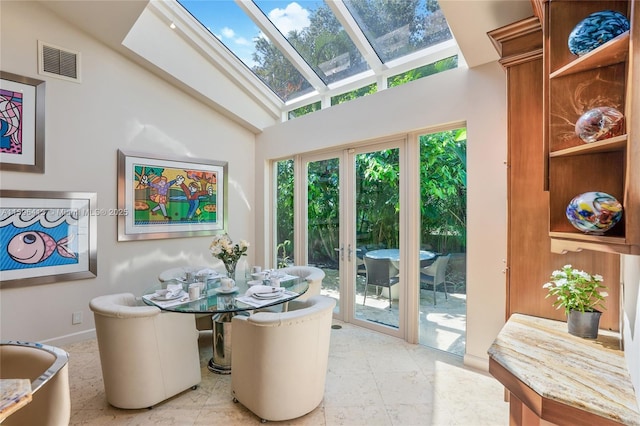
point(173, 290)
point(261, 289)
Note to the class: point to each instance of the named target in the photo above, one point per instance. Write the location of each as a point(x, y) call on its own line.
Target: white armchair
point(47, 369)
point(313, 275)
point(280, 359)
point(146, 355)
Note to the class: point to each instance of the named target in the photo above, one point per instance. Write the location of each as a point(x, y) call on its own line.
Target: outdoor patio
point(442, 326)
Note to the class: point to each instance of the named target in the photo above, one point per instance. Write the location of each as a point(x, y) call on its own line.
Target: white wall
point(476, 96)
point(118, 105)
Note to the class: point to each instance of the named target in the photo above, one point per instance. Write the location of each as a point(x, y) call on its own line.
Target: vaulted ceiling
point(162, 37)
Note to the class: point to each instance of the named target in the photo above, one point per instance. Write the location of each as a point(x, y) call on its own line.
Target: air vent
point(57, 62)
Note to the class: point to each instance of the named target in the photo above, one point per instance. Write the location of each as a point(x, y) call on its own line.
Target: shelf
point(612, 52)
point(619, 143)
point(612, 245)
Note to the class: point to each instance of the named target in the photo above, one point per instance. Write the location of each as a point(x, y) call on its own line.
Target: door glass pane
point(377, 226)
point(323, 222)
point(284, 213)
point(443, 193)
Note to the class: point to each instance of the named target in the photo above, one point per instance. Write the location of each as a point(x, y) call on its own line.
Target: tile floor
point(372, 379)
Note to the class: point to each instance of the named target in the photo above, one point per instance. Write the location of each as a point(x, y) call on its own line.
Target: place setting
point(260, 295)
point(174, 294)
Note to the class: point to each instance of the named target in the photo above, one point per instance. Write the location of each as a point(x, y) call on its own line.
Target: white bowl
point(258, 275)
point(162, 293)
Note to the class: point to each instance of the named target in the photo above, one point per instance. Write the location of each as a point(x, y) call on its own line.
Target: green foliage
point(324, 41)
point(363, 91)
point(443, 189)
point(323, 209)
point(377, 198)
point(283, 258)
point(304, 110)
point(284, 204)
point(576, 290)
point(424, 71)
point(443, 198)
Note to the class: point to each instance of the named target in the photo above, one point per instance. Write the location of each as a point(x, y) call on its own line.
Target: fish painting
point(33, 247)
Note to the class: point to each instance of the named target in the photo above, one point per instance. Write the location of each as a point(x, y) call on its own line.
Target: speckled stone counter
point(560, 378)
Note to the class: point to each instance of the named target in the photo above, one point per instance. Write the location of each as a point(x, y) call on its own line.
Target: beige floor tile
point(372, 379)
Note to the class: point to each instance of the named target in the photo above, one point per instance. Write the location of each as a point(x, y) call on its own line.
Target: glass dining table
point(222, 306)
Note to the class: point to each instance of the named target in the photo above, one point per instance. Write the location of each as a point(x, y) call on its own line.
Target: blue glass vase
point(595, 30)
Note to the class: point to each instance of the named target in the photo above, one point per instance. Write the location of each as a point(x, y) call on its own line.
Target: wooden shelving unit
point(574, 85)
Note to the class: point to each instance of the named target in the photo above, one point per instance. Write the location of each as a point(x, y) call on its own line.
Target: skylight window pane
point(396, 28)
point(317, 35)
point(225, 20)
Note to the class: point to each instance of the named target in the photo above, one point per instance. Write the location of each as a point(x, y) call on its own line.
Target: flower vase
point(231, 269)
point(584, 324)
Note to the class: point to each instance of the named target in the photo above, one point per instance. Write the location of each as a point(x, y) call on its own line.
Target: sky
point(232, 26)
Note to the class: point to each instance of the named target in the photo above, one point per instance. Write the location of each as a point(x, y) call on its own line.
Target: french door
point(352, 216)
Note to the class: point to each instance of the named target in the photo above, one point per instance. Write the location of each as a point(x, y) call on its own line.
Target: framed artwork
point(170, 197)
point(21, 123)
point(47, 237)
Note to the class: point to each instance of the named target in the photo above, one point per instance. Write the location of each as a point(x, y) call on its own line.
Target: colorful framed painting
point(21, 123)
point(170, 198)
point(47, 237)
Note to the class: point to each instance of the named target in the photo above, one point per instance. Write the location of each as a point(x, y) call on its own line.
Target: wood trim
point(538, 8)
point(518, 40)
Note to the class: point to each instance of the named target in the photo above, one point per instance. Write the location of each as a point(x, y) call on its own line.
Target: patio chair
point(435, 274)
point(379, 274)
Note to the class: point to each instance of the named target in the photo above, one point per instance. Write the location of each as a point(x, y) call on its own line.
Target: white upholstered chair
point(280, 359)
point(313, 275)
point(47, 369)
point(146, 355)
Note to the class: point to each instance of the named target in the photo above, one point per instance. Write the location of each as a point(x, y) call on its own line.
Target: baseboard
point(71, 338)
point(476, 362)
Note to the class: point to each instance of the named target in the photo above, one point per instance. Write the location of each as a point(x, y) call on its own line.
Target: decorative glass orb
point(594, 212)
point(595, 30)
point(600, 123)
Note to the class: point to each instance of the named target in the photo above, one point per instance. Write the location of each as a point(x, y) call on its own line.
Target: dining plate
point(223, 291)
point(166, 298)
point(268, 295)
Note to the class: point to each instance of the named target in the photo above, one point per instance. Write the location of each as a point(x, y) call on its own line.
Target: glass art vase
point(231, 269)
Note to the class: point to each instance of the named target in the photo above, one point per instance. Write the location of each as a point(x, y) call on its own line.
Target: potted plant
point(580, 294)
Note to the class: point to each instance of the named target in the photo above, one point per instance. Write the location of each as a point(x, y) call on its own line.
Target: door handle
point(349, 251)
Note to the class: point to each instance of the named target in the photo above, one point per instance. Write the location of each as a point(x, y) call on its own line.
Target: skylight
point(307, 51)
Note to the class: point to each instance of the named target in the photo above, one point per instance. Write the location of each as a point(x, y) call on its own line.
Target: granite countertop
point(14, 394)
point(590, 375)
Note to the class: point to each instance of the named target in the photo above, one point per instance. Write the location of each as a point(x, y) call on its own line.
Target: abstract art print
point(46, 237)
point(170, 198)
point(21, 123)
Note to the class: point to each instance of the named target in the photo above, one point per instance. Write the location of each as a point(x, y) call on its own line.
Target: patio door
point(353, 208)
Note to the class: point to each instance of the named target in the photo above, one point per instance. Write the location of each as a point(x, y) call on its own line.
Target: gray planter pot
point(584, 324)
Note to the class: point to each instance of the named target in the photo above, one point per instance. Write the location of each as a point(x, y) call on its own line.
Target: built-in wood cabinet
point(529, 257)
point(572, 86)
